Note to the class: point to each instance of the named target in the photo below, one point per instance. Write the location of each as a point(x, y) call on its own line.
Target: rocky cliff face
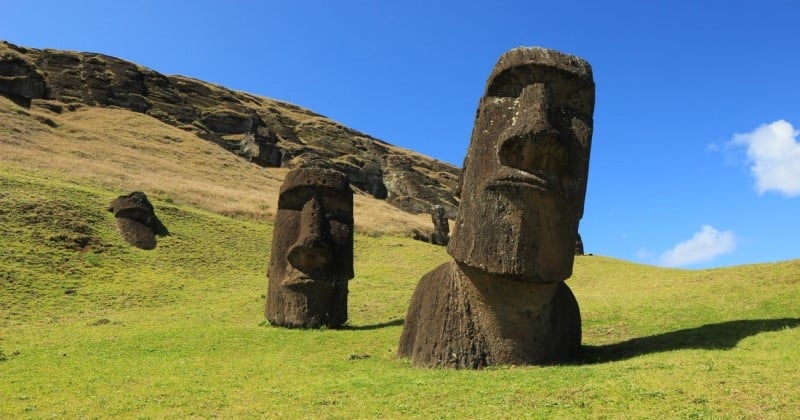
point(265, 131)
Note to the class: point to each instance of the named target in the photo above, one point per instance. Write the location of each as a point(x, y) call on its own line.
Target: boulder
point(20, 79)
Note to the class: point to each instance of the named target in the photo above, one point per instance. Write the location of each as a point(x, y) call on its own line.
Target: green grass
point(92, 327)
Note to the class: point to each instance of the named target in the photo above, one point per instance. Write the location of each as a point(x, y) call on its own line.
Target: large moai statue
point(312, 250)
point(502, 299)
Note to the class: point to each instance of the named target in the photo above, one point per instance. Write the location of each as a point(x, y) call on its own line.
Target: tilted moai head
point(312, 250)
point(137, 220)
point(525, 172)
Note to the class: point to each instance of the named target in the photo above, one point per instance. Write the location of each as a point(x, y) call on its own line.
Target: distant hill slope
point(266, 132)
point(123, 151)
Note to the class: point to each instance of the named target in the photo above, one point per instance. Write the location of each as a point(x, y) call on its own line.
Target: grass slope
point(92, 327)
point(126, 151)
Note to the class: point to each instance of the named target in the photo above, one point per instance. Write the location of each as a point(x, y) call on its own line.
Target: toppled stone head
point(136, 220)
point(312, 250)
point(525, 173)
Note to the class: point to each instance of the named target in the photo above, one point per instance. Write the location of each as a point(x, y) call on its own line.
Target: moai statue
point(441, 226)
point(136, 220)
point(579, 245)
point(502, 299)
point(312, 250)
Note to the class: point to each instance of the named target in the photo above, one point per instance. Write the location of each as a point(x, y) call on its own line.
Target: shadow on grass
point(392, 323)
point(720, 336)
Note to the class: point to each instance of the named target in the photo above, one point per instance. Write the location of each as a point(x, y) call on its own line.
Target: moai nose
point(531, 143)
point(311, 251)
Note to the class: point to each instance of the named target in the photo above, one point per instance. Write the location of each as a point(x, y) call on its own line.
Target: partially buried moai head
point(312, 250)
point(526, 169)
point(136, 220)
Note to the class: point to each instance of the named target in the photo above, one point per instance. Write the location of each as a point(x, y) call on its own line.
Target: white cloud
point(774, 154)
point(704, 246)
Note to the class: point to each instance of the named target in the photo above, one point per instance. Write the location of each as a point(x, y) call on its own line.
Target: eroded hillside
point(127, 151)
point(266, 132)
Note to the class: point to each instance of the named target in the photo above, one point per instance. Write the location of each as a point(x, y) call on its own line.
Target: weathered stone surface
point(441, 227)
point(264, 131)
point(440, 234)
point(20, 80)
point(503, 299)
point(413, 183)
point(312, 250)
point(260, 149)
point(466, 319)
point(579, 245)
point(136, 220)
point(227, 121)
point(526, 168)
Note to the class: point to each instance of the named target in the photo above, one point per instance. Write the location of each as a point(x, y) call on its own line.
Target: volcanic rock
point(264, 131)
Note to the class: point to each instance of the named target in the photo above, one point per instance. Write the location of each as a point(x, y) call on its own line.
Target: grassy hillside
point(92, 327)
point(126, 151)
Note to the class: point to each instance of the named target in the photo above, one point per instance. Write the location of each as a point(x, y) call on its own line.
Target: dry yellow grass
point(127, 151)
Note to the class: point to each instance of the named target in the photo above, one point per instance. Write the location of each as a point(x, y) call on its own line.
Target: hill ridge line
point(265, 131)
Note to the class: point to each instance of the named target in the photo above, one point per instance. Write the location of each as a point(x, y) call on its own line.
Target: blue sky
point(695, 160)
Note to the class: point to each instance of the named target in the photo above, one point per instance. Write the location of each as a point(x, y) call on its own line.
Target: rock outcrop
point(264, 131)
point(20, 80)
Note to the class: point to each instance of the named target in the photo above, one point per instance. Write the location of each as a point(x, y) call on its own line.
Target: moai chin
point(502, 299)
point(312, 250)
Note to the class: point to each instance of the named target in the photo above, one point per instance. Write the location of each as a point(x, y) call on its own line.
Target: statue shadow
point(392, 323)
point(158, 227)
point(719, 336)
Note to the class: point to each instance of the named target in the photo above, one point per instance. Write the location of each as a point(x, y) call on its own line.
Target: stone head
point(525, 173)
point(312, 244)
point(137, 220)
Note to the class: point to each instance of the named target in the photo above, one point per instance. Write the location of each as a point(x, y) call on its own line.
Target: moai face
point(312, 249)
point(525, 173)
